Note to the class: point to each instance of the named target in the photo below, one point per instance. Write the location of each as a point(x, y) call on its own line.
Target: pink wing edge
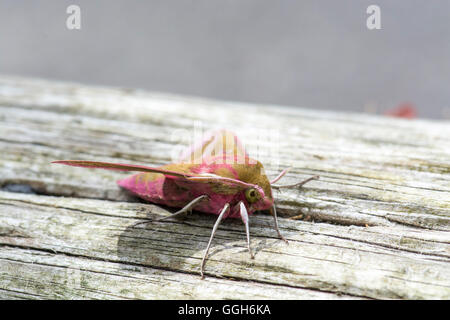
point(119, 167)
point(132, 167)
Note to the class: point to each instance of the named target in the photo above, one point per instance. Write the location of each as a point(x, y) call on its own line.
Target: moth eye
point(251, 195)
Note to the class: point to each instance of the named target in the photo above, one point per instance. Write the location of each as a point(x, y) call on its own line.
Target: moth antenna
point(281, 175)
point(299, 184)
point(216, 225)
point(222, 179)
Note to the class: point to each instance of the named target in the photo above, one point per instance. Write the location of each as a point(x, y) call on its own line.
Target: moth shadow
point(152, 244)
point(166, 244)
point(257, 246)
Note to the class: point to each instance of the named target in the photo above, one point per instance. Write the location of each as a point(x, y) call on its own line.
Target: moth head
point(256, 199)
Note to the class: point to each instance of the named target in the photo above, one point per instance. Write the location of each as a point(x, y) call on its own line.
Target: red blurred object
point(404, 110)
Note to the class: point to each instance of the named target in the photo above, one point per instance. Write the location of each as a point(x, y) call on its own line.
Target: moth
point(215, 176)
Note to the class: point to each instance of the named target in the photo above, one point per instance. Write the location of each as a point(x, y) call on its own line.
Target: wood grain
point(376, 224)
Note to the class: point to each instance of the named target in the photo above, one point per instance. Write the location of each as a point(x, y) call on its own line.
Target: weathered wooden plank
point(375, 171)
point(339, 259)
point(28, 273)
point(382, 200)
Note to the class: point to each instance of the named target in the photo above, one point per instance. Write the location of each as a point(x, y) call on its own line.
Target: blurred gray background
point(315, 54)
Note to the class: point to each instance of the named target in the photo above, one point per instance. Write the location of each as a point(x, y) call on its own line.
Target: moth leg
point(299, 184)
point(273, 211)
point(187, 209)
point(244, 217)
point(216, 225)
